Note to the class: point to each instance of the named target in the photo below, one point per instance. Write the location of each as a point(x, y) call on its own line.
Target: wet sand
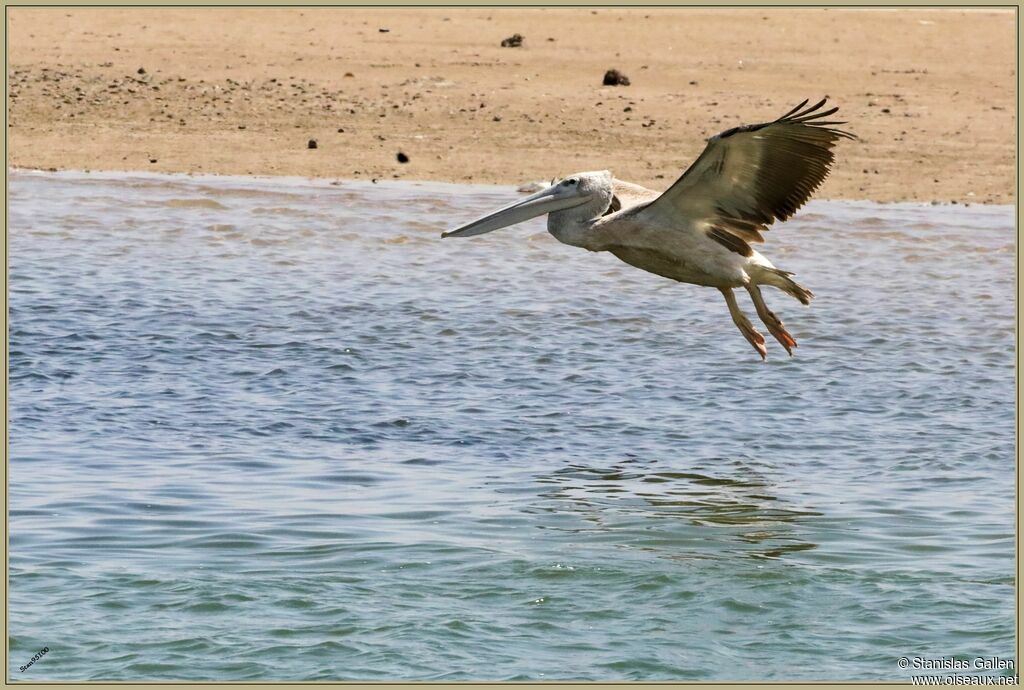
point(246, 91)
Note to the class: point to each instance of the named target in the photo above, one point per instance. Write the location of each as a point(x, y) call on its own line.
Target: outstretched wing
point(748, 177)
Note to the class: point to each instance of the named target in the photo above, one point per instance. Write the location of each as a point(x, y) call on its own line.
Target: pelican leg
point(743, 323)
point(773, 322)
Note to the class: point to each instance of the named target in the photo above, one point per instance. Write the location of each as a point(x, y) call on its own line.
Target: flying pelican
point(698, 231)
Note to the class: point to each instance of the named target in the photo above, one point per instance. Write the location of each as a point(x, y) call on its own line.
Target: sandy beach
point(247, 91)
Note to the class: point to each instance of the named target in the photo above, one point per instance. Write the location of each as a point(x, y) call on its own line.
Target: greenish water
point(275, 429)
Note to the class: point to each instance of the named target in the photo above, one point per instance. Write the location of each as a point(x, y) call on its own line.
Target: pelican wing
point(748, 177)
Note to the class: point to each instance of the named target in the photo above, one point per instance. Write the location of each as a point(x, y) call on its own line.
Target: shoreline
point(245, 91)
point(325, 182)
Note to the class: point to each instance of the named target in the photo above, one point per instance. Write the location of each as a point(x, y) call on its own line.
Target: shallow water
point(276, 429)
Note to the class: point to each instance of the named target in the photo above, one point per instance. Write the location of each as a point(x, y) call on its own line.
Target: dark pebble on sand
point(141, 70)
point(152, 160)
point(402, 158)
point(614, 77)
point(311, 144)
point(513, 41)
point(383, 31)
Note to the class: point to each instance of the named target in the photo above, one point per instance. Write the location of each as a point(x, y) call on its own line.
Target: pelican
point(701, 229)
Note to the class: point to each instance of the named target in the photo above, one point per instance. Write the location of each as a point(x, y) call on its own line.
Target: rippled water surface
point(277, 429)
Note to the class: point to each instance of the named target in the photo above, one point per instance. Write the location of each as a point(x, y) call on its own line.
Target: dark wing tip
point(811, 117)
point(809, 111)
point(800, 115)
point(801, 105)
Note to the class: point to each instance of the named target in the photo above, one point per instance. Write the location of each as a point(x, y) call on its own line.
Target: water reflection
point(682, 514)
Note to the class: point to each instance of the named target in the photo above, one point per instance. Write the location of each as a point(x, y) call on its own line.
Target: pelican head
point(579, 197)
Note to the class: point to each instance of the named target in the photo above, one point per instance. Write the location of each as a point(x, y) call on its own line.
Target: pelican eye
point(570, 182)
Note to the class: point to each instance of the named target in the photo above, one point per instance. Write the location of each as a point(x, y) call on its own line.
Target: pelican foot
point(776, 328)
point(754, 338)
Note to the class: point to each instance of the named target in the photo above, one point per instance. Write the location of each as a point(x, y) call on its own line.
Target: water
point(276, 429)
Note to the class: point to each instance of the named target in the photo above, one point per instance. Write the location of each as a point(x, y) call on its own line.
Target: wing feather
point(750, 176)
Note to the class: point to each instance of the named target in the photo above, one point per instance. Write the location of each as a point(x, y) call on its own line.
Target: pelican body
point(701, 229)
